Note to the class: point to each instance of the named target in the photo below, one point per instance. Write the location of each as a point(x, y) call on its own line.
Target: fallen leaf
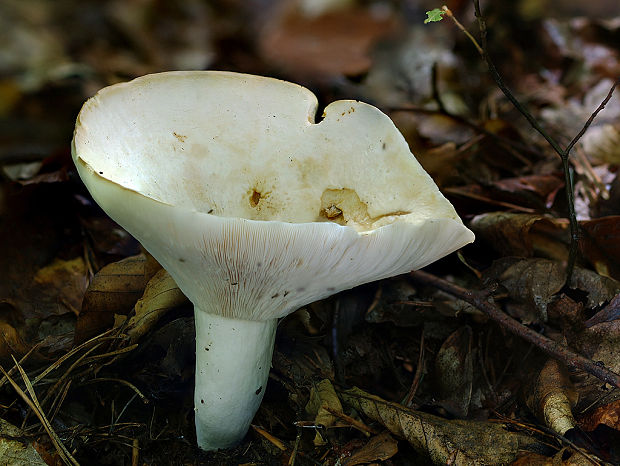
point(336, 43)
point(108, 237)
point(161, 295)
point(522, 235)
point(66, 280)
point(454, 369)
point(13, 450)
point(401, 74)
point(572, 115)
point(323, 397)
point(551, 397)
point(608, 414)
point(564, 457)
point(600, 244)
point(57, 176)
point(607, 314)
point(115, 289)
point(533, 190)
point(379, 448)
point(535, 282)
point(11, 342)
point(456, 441)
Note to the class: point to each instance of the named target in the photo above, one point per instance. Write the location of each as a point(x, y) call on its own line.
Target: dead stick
point(552, 348)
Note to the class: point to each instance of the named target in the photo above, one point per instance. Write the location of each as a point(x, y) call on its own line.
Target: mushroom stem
point(233, 358)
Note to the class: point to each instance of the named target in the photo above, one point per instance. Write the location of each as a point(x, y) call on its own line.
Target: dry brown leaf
point(302, 358)
point(11, 343)
point(15, 452)
point(114, 290)
point(455, 371)
point(52, 290)
point(608, 415)
point(564, 457)
point(161, 295)
point(323, 397)
point(332, 44)
point(440, 162)
point(607, 314)
point(551, 397)
point(532, 190)
point(535, 282)
point(601, 342)
point(441, 129)
point(379, 448)
point(460, 442)
point(600, 244)
point(522, 234)
point(66, 280)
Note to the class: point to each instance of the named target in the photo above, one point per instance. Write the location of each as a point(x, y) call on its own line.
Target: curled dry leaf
point(161, 295)
point(454, 369)
point(323, 397)
point(401, 74)
point(11, 343)
point(114, 290)
point(460, 442)
point(551, 397)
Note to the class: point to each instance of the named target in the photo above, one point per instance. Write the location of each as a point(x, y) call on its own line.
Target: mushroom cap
point(251, 206)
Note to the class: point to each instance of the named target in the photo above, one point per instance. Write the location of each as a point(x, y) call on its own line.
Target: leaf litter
point(96, 344)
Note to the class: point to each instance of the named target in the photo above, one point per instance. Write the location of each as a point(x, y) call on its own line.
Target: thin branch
point(552, 348)
point(563, 153)
point(500, 83)
point(462, 28)
point(593, 116)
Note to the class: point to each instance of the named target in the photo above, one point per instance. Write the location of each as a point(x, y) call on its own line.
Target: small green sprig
point(434, 15)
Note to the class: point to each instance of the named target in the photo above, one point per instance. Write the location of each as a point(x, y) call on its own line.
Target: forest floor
point(488, 356)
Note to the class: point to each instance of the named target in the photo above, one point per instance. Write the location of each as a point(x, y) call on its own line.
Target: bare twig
point(352, 421)
point(563, 153)
point(552, 348)
point(462, 28)
point(593, 116)
point(568, 179)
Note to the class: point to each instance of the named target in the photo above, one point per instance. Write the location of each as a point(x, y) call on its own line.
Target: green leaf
point(434, 15)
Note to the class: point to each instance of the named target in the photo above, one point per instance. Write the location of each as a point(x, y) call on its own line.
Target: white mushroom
point(256, 210)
